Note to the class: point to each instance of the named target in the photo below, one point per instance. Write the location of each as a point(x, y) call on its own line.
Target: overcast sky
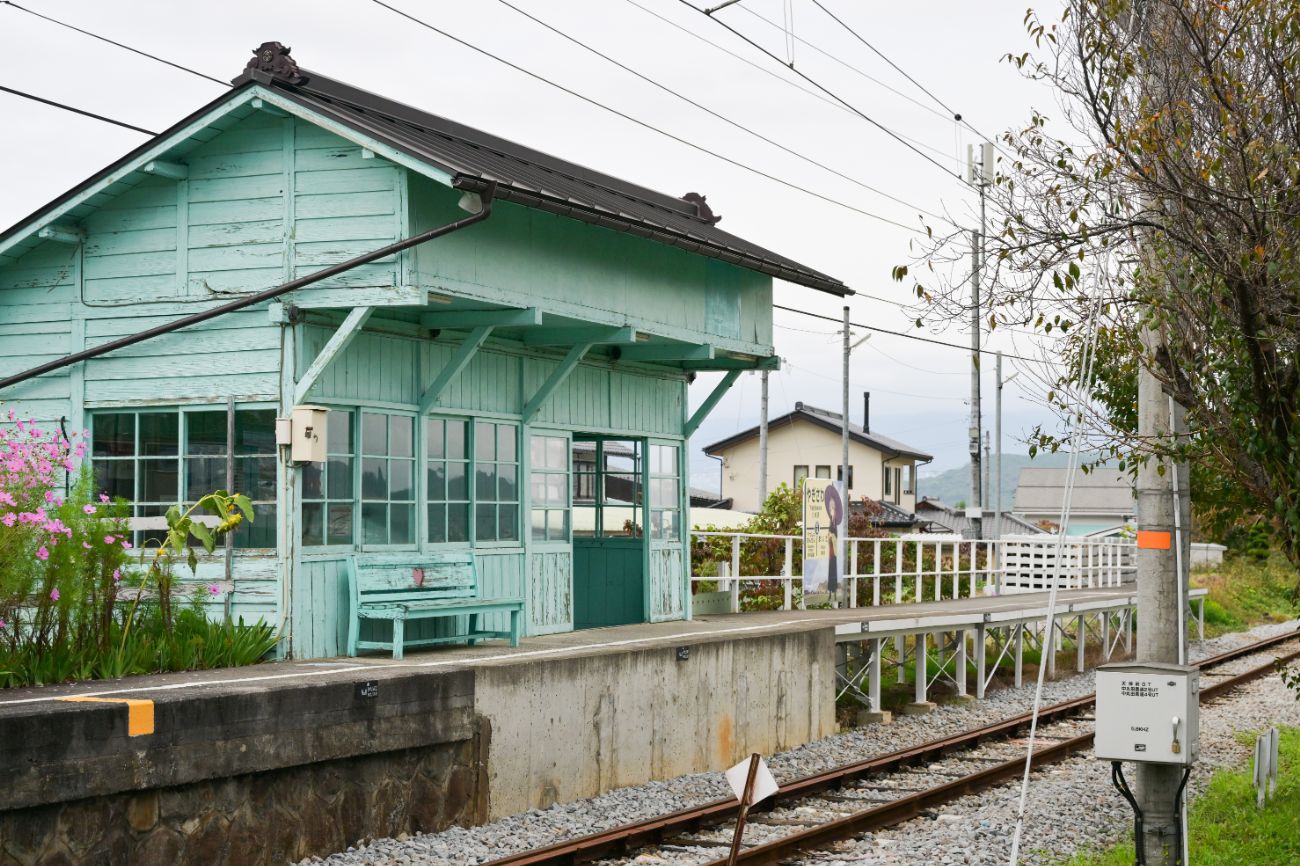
point(953, 48)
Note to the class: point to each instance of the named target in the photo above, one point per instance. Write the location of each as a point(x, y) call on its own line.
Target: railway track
point(817, 810)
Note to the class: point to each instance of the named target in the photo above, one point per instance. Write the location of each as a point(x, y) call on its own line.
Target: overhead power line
point(125, 47)
point(955, 115)
point(902, 334)
point(866, 117)
point(75, 110)
point(643, 124)
point(711, 112)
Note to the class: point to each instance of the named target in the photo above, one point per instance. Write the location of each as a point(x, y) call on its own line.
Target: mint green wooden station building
point(461, 374)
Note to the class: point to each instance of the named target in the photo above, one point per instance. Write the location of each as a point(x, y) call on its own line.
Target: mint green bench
point(400, 587)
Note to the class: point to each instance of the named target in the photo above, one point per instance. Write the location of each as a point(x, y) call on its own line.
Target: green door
point(608, 532)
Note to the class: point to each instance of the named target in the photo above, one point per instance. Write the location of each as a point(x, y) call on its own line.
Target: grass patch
point(1246, 592)
point(1227, 829)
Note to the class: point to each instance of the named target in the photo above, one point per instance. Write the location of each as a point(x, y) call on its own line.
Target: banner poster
point(823, 523)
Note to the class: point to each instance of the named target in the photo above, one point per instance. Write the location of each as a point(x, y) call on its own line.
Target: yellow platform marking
point(139, 713)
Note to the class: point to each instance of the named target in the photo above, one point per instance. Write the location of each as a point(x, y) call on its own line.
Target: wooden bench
point(404, 587)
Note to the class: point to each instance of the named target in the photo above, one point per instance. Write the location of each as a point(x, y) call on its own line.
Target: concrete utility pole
point(1160, 590)
point(987, 469)
point(841, 554)
point(762, 443)
point(997, 436)
point(980, 173)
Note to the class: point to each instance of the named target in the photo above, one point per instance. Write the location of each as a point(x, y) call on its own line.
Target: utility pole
point(987, 469)
point(762, 444)
point(997, 435)
point(840, 554)
point(981, 175)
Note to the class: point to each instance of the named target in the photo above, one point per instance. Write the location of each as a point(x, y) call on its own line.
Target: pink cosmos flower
point(9, 519)
point(108, 539)
point(214, 589)
point(43, 554)
point(86, 544)
point(89, 509)
point(103, 497)
point(126, 545)
point(117, 575)
point(54, 593)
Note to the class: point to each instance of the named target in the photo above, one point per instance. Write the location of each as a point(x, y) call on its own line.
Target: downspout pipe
point(253, 300)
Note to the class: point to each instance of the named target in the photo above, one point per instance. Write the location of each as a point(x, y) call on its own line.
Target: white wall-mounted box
point(308, 444)
point(1148, 713)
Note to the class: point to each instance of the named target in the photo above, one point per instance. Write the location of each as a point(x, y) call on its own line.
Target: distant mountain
point(953, 486)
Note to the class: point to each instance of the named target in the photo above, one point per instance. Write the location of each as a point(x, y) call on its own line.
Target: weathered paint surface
point(268, 198)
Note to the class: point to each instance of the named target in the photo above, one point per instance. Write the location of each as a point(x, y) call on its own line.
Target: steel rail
point(621, 840)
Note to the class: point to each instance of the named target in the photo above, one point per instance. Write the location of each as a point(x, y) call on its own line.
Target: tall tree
point(1168, 186)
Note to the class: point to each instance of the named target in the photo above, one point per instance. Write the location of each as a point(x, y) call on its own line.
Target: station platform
point(469, 734)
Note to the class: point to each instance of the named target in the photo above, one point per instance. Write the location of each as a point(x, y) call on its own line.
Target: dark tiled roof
point(529, 177)
point(831, 421)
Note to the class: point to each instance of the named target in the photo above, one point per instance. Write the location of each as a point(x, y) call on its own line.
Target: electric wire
point(644, 124)
point(121, 45)
point(868, 118)
point(711, 112)
point(902, 334)
point(25, 95)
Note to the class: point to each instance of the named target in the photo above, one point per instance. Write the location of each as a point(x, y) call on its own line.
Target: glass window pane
point(506, 443)
point(338, 431)
point(537, 524)
point(485, 486)
point(457, 522)
point(556, 458)
point(160, 432)
point(374, 478)
point(537, 451)
point(205, 432)
point(558, 525)
point(313, 523)
point(485, 522)
point(255, 431)
point(456, 439)
point(435, 482)
point(508, 489)
point(374, 523)
point(485, 447)
point(313, 481)
point(340, 478)
point(403, 518)
point(114, 435)
point(158, 481)
point(554, 490)
point(434, 438)
point(115, 478)
point(374, 433)
point(457, 485)
point(402, 432)
point(260, 533)
point(255, 477)
point(206, 474)
point(437, 523)
point(508, 522)
point(823, 472)
point(400, 485)
point(340, 523)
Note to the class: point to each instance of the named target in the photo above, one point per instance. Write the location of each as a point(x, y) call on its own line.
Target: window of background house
point(496, 482)
point(823, 472)
point(328, 491)
point(910, 484)
point(387, 479)
point(888, 482)
point(549, 485)
point(839, 475)
point(800, 473)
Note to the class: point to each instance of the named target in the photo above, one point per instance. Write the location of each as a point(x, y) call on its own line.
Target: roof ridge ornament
point(272, 58)
point(702, 209)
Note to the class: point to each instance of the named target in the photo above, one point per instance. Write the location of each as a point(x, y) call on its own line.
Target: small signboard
point(764, 785)
point(823, 524)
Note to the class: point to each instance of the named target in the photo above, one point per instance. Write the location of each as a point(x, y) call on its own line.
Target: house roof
point(473, 159)
point(830, 421)
point(943, 517)
point(892, 515)
point(1102, 491)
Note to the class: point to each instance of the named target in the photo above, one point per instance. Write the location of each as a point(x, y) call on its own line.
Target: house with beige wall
point(806, 442)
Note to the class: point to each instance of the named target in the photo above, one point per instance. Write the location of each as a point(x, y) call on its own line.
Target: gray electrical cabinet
point(1148, 713)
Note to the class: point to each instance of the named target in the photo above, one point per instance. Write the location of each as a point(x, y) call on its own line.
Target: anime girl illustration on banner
point(823, 522)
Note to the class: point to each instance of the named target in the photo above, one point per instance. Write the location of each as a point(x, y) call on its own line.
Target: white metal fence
point(909, 568)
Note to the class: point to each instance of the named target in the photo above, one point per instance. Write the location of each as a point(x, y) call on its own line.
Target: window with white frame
point(329, 488)
point(158, 458)
point(387, 479)
point(548, 480)
point(665, 510)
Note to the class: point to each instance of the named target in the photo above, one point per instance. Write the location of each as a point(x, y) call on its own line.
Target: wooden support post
point(338, 341)
point(553, 381)
point(981, 638)
point(710, 401)
point(1020, 654)
point(458, 361)
point(1082, 646)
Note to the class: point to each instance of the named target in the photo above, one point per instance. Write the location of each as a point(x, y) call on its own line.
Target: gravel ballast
point(1072, 804)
